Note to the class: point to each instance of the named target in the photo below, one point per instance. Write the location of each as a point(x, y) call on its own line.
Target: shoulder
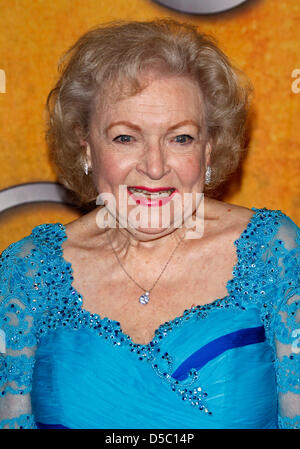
point(278, 229)
point(257, 225)
point(16, 254)
point(288, 231)
point(22, 261)
point(231, 214)
point(34, 276)
point(85, 232)
point(274, 227)
point(44, 237)
point(225, 219)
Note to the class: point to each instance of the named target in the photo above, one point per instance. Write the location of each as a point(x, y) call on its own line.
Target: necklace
point(145, 297)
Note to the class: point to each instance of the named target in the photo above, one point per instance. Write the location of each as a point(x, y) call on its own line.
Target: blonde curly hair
point(113, 55)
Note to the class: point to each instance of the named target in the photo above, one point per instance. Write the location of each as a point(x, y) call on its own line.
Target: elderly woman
point(158, 308)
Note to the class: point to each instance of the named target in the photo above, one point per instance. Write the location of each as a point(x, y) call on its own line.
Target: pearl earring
point(208, 175)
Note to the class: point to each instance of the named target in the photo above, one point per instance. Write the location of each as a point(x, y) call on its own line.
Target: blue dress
point(230, 364)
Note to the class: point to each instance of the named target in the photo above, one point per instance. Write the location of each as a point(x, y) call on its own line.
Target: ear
point(86, 150)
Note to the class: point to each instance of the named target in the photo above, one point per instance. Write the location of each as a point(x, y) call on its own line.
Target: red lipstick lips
point(144, 201)
point(157, 189)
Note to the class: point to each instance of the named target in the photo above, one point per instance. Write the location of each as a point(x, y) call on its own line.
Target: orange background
point(261, 37)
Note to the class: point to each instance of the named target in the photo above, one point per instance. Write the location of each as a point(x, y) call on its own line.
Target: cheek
point(190, 171)
point(111, 171)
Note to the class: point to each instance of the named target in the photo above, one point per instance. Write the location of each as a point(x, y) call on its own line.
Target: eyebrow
point(137, 128)
point(184, 122)
point(123, 122)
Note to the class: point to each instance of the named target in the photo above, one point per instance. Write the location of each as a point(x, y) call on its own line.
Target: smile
point(151, 197)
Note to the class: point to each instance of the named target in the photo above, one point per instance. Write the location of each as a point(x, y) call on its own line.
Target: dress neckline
point(165, 327)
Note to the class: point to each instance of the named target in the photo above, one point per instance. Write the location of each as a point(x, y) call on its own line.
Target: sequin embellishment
point(52, 302)
point(72, 314)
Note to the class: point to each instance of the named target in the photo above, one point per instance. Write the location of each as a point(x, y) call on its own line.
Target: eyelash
point(118, 138)
point(190, 138)
point(121, 135)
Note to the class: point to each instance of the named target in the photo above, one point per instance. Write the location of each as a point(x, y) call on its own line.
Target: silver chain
point(122, 266)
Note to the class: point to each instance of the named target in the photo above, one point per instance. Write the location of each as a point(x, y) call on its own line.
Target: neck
point(124, 240)
point(137, 242)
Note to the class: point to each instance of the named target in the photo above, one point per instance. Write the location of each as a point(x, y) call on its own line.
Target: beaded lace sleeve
point(285, 327)
point(17, 336)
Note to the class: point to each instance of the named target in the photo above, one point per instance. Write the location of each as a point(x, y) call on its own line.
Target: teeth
point(140, 192)
point(158, 194)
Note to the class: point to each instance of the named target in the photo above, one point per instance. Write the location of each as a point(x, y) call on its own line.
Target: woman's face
point(154, 139)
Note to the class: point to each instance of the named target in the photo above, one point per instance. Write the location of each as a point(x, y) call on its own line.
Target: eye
point(123, 138)
point(183, 139)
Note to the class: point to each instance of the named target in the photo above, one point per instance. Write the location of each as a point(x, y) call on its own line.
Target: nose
point(153, 164)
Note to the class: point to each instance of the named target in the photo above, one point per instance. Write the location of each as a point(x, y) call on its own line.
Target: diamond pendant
point(144, 299)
